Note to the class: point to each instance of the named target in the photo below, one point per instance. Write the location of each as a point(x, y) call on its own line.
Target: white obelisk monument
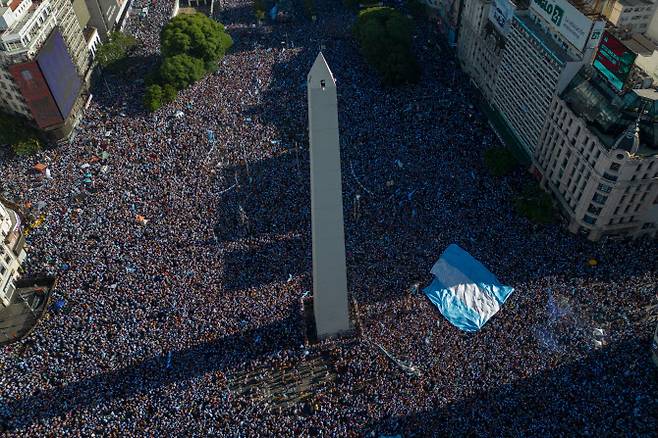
point(329, 272)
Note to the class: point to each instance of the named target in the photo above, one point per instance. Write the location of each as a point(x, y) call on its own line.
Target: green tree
point(153, 97)
point(169, 93)
point(385, 37)
point(21, 137)
point(115, 49)
point(500, 161)
point(181, 70)
point(197, 36)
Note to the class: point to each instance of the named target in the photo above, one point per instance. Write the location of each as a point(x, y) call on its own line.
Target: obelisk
point(330, 304)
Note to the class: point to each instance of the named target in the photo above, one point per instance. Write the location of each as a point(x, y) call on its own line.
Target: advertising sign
point(500, 14)
point(37, 96)
point(569, 21)
point(614, 60)
point(596, 34)
point(60, 74)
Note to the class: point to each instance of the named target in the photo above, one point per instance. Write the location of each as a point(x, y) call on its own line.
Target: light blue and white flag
point(465, 292)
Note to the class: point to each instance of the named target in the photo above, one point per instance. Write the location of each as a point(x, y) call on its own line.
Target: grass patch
point(535, 204)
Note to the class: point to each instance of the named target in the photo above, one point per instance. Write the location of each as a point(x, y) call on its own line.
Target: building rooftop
point(18, 25)
point(14, 4)
point(640, 44)
point(28, 305)
point(609, 115)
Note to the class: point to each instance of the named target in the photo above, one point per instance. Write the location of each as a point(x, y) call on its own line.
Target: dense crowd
point(181, 241)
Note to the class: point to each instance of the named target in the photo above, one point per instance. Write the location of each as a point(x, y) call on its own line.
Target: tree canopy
point(385, 37)
point(197, 36)
point(111, 53)
point(16, 133)
point(181, 70)
point(191, 47)
point(153, 97)
point(500, 161)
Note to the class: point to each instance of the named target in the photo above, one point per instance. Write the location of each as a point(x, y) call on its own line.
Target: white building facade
point(12, 252)
point(607, 185)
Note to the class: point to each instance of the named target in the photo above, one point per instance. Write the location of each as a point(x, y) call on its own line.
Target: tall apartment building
point(44, 59)
point(542, 54)
point(520, 55)
point(598, 155)
point(12, 252)
point(482, 36)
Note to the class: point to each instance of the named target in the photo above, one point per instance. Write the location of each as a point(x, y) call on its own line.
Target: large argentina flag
point(465, 292)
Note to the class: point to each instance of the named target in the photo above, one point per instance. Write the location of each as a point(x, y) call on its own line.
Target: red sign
point(614, 60)
point(36, 93)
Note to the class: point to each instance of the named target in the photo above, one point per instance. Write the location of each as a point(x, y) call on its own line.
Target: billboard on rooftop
point(59, 71)
point(614, 60)
point(572, 24)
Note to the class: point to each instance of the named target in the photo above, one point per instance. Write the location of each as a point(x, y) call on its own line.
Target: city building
point(44, 63)
point(105, 15)
point(520, 56)
point(630, 16)
point(483, 31)
point(12, 253)
point(543, 52)
point(646, 54)
point(598, 155)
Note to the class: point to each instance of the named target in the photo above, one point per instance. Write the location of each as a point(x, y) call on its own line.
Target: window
point(594, 210)
point(589, 219)
point(609, 177)
point(615, 167)
point(605, 188)
point(599, 198)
